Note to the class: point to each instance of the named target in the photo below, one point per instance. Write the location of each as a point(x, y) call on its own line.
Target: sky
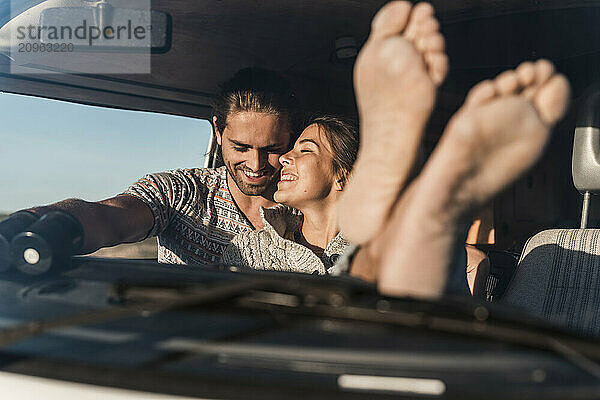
point(52, 150)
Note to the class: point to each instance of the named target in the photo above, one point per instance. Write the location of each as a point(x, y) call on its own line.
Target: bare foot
point(396, 76)
point(498, 134)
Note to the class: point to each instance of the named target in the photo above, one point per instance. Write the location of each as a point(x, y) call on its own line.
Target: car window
point(53, 150)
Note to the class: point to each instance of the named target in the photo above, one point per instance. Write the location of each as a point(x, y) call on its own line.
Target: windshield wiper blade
point(292, 297)
point(205, 296)
point(335, 302)
point(578, 351)
point(151, 298)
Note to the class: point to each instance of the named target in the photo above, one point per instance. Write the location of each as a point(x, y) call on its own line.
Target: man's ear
point(216, 130)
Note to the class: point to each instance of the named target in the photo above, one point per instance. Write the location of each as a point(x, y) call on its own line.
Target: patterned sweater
point(195, 216)
point(271, 248)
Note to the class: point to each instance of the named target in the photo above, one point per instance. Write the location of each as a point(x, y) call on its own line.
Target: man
point(196, 212)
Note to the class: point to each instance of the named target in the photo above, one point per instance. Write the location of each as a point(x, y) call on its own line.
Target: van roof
point(211, 40)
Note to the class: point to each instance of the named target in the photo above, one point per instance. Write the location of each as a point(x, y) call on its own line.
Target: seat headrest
point(586, 143)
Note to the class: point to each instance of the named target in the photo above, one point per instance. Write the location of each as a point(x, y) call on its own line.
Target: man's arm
point(120, 219)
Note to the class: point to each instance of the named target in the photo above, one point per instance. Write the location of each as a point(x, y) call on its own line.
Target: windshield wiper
point(291, 297)
point(151, 298)
point(577, 351)
point(333, 302)
point(148, 305)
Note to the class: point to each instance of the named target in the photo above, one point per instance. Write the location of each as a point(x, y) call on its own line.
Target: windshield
point(181, 147)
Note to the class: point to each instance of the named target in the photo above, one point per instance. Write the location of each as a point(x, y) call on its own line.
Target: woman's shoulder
point(281, 219)
point(249, 248)
point(245, 247)
point(275, 219)
point(269, 248)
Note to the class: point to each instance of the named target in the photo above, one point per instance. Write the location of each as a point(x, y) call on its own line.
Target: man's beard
point(250, 189)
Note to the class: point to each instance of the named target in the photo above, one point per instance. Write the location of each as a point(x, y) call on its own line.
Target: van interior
point(314, 44)
point(541, 261)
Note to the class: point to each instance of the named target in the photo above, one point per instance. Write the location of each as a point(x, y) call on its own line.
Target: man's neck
point(250, 205)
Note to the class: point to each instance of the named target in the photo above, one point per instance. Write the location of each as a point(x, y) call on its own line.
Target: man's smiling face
point(251, 144)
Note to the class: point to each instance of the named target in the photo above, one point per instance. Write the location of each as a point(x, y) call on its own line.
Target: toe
point(525, 73)
point(552, 98)
point(431, 43)
point(390, 20)
point(437, 65)
point(429, 25)
point(481, 92)
point(420, 13)
point(506, 83)
point(543, 71)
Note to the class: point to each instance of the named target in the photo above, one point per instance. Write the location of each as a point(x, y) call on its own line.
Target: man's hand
point(120, 219)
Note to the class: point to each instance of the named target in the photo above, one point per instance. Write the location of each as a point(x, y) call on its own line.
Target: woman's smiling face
point(307, 175)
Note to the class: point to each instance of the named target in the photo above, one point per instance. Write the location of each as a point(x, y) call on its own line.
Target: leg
point(498, 134)
point(396, 76)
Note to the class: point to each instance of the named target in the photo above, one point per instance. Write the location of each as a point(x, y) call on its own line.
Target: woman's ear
point(339, 183)
point(342, 180)
point(216, 130)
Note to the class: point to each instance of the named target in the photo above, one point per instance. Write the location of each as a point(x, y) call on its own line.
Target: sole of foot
point(396, 76)
point(498, 134)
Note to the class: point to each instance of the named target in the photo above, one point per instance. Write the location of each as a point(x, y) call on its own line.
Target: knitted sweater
point(270, 248)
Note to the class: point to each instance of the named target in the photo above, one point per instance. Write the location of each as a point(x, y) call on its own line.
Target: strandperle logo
point(84, 31)
point(90, 37)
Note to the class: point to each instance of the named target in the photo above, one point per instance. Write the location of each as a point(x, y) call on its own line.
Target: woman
point(301, 234)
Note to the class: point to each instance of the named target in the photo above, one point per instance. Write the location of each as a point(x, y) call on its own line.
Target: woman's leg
point(499, 133)
point(396, 77)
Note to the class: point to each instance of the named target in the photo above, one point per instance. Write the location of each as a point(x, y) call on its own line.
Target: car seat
point(558, 273)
